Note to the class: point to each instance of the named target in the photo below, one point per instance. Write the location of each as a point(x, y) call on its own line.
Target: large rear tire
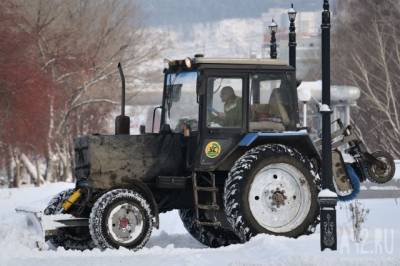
point(121, 218)
point(76, 238)
point(213, 237)
point(271, 189)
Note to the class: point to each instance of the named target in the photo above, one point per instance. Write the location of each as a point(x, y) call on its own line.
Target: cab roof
point(239, 61)
point(200, 62)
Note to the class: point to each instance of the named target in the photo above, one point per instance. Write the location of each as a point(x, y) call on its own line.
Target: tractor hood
point(106, 161)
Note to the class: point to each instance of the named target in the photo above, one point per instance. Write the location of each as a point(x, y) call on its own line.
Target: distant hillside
point(172, 12)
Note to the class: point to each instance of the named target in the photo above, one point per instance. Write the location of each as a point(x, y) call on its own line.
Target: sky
point(173, 12)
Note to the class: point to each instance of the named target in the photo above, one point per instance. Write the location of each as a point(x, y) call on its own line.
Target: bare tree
point(367, 55)
point(79, 44)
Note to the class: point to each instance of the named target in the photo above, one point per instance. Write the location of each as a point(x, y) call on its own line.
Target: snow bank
point(171, 245)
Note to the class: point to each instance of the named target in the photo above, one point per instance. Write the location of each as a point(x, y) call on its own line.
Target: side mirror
point(153, 120)
point(175, 92)
point(142, 129)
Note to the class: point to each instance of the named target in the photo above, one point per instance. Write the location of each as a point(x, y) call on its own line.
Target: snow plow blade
point(46, 226)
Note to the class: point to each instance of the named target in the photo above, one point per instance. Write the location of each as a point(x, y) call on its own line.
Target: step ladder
point(210, 188)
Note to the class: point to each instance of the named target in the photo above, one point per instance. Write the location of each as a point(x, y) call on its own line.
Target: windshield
point(181, 101)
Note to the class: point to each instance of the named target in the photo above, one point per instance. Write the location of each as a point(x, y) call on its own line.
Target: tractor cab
point(221, 105)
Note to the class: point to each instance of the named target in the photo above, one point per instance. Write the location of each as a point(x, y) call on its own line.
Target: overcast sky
point(167, 12)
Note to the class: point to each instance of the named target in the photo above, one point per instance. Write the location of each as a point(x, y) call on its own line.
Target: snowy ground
point(171, 245)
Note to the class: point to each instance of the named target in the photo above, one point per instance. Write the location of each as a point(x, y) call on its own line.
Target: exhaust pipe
point(122, 122)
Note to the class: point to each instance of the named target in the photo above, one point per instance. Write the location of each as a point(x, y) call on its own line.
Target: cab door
point(223, 117)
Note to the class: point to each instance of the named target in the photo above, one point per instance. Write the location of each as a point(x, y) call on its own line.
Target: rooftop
point(239, 61)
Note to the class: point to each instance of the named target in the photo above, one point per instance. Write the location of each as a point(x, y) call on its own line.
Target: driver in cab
point(232, 115)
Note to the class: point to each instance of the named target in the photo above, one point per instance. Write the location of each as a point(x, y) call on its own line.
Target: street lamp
point(292, 37)
point(327, 197)
point(273, 28)
point(292, 14)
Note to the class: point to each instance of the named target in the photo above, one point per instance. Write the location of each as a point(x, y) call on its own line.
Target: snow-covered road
point(171, 245)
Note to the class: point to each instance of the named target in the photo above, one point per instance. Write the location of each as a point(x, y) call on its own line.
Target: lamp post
point(273, 28)
point(327, 197)
point(292, 37)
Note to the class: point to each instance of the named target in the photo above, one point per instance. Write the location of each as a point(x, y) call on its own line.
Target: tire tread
point(97, 214)
point(236, 180)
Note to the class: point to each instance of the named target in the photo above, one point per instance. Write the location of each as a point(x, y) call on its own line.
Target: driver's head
point(227, 93)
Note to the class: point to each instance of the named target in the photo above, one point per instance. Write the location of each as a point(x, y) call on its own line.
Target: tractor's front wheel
point(77, 238)
point(121, 218)
point(271, 190)
point(210, 236)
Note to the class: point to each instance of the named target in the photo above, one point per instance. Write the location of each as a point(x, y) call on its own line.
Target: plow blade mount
point(45, 226)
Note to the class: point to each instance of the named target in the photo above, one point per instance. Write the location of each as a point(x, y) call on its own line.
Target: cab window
point(271, 103)
point(224, 105)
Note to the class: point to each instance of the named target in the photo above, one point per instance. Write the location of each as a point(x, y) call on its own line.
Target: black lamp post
point(273, 28)
point(292, 37)
point(327, 198)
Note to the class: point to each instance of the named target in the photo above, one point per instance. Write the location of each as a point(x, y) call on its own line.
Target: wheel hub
point(125, 223)
point(381, 171)
point(278, 198)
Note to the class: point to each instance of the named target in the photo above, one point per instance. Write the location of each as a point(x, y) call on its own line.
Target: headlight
point(188, 62)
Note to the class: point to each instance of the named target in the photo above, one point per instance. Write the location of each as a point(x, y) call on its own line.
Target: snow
point(324, 108)
point(326, 193)
point(172, 245)
point(397, 173)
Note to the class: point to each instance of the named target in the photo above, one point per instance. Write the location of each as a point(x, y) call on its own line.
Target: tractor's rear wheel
point(121, 218)
point(271, 190)
point(213, 237)
point(77, 238)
